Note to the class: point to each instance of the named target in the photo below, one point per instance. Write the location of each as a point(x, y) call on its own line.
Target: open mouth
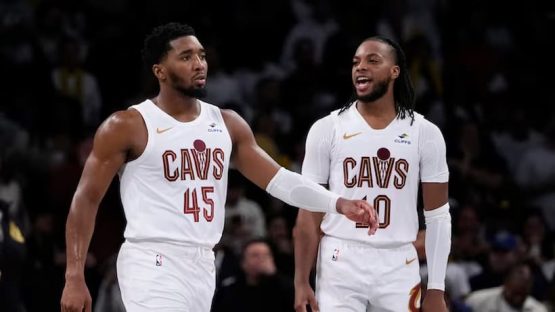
point(362, 83)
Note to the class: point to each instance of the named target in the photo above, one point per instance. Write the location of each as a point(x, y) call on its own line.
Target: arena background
point(483, 72)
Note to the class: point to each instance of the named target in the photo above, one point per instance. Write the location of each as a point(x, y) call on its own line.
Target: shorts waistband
point(171, 248)
point(366, 245)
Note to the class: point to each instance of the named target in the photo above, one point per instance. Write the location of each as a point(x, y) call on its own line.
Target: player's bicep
point(433, 160)
point(251, 160)
point(108, 154)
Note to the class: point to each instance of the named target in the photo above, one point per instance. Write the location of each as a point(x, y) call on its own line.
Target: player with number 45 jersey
point(378, 149)
point(172, 153)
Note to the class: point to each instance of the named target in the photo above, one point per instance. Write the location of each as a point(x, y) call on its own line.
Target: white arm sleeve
point(316, 164)
point(298, 191)
point(433, 160)
point(437, 244)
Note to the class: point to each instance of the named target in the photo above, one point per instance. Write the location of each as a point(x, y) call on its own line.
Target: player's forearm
point(438, 245)
point(79, 231)
point(298, 191)
point(306, 246)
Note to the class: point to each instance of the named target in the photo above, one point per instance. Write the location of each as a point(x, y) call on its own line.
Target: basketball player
point(172, 154)
point(378, 149)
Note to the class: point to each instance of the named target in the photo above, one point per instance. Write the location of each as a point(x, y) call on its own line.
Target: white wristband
point(298, 191)
point(437, 244)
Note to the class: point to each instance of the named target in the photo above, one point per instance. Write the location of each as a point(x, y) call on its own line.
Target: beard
point(177, 84)
point(379, 90)
point(197, 93)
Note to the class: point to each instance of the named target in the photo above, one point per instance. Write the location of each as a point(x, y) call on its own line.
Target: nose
point(360, 66)
point(199, 62)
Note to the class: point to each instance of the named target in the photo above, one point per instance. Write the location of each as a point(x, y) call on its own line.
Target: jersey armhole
point(148, 145)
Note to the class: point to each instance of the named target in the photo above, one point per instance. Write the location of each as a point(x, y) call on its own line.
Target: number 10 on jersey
point(382, 204)
point(191, 203)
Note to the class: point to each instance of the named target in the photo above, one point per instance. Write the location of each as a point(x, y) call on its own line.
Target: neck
point(378, 114)
point(176, 104)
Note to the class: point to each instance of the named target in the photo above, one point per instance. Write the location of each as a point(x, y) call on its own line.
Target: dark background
point(483, 72)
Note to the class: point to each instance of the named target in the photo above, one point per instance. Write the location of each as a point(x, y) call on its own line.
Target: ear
point(395, 71)
point(159, 71)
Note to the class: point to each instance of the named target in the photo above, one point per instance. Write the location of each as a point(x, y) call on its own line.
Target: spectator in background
point(223, 87)
point(12, 255)
point(477, 171)
point(512, 296)
point(538, 242)
point(501, 257)
point(516, 137)
point(259, 286)
point(469, 239)
point(536, 176)
point(279, 238)
point(72, 80)
point(11, 191)
point(244, 218)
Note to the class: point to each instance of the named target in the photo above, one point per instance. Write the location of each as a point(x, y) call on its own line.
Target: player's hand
point(304, 295)
point(359, 211)
point(434, 301)
point(76, 296)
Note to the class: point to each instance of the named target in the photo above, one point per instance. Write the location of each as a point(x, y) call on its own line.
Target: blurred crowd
point(482, 72)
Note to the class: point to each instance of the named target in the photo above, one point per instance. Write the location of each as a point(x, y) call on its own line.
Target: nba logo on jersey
point(335, 255)
point(158, 260)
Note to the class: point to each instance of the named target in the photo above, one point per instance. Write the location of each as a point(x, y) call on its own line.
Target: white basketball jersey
point(382, 166)
point(175, 191)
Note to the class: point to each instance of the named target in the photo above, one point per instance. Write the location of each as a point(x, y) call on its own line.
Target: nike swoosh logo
point(348, 136)
point(407, 262)
point(158, 130)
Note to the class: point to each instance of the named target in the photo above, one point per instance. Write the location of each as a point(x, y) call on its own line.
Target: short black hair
point(157, 43)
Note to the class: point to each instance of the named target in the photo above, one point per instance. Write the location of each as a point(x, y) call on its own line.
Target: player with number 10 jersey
point(383, 166)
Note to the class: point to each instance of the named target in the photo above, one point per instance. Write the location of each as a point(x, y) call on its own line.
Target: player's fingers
point(88, 306)
point(372, 221)
point(68, 308)
point(363, 207)
point(314, 304)
point(300, 307)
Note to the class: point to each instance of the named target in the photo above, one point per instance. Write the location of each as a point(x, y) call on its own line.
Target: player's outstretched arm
point(110, 147)
point(283, 184)
point(306, 237)
point(437, 243)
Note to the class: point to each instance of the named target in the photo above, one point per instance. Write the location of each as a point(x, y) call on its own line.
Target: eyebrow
point(373, 54)
point(189, 51)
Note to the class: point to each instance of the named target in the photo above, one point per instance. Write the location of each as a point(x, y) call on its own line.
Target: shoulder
point(122, 130)
point(328, 121)
point(238, 128)
point(427, 128)
point(124, 120)
point(232, 119)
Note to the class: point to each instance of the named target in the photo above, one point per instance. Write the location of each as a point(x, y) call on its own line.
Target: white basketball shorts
point(355, 277)
point(165, 277)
